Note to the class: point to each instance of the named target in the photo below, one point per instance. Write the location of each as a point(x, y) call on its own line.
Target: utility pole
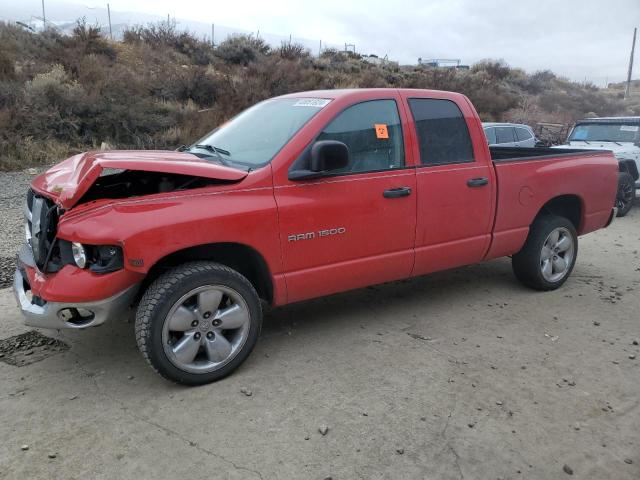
point(44, 17)
point(213, 35)
point(109, 15)
point(320, 49)
point(633, 47)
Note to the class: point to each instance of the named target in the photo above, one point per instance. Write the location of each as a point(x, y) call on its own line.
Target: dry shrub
point(293, 51)
point(161, 87)
point(53, 103)
point(29, 151)
point(242, 49)
point(164, 35)
point(88, 40)
point(7, 66)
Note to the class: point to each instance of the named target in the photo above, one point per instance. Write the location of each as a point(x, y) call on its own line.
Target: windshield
point(255, 136)
point(604, 132)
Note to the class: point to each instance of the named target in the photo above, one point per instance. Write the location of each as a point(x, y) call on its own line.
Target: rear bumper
point(41, 313)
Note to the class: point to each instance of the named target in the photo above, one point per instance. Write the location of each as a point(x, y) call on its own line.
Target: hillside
point(160, 88)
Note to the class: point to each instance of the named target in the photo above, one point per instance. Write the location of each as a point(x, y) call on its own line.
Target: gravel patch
point(13, 189)
point(29, 347)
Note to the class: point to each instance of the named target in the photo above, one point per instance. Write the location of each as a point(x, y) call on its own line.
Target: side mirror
point(319, 159)
point(327, 155)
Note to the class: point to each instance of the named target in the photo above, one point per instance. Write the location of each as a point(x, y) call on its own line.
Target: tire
point(626, 193)
point(185, 311)
point(537, 264)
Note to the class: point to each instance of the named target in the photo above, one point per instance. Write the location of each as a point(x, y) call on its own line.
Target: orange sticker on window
point(381, 130)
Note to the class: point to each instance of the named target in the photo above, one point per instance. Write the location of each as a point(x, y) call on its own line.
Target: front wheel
point(548, 255)
point(198, 322)
point(626, 193)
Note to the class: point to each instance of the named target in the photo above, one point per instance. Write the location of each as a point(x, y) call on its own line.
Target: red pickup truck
point(297, 197)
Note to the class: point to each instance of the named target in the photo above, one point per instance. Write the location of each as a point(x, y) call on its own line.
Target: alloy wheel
point(205, 328)
point(557, 254)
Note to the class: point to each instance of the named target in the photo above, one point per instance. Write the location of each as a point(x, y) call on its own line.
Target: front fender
point(150, 229)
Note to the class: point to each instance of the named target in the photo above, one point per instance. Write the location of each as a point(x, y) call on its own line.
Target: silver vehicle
point(509, 134)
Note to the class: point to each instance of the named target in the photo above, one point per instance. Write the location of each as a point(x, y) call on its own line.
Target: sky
point(580, 39)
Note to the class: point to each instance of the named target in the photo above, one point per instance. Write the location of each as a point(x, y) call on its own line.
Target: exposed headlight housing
point(79, 254)
point(106, 258)
point(97, 258)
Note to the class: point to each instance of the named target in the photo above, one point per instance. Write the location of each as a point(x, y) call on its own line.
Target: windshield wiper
point(215, 150)
point(211, 148)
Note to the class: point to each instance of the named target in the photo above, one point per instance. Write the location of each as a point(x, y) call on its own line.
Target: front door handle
point(477, 182)
point(397, 192)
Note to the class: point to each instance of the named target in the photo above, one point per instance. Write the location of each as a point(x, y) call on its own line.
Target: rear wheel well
point(241, 258)
point(567, 206)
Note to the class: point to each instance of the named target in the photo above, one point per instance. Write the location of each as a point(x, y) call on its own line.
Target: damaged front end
point(125, 174)
point(41, 219)
point(66, 283)
point(42, 257)
point(105, 176)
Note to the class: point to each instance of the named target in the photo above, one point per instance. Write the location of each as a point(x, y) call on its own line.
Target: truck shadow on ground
point(315, 316)
point(435, 289)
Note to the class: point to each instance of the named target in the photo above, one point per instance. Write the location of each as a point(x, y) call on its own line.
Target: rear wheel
point(626, 193)
point(549, 254)
point(198, 322)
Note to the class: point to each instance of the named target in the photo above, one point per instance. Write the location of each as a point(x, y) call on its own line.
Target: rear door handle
point(477, 182)
point(397, 192)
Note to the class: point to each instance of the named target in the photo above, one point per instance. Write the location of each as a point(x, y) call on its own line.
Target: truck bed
point(514, 154)
point(528, 177)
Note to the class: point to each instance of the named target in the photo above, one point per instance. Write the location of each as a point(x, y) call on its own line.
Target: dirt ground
point(462, 374)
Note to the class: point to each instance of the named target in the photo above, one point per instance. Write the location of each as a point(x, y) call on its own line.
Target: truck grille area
point(41, 220)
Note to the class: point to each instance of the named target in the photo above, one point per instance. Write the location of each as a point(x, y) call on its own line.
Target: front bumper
point(57, 315)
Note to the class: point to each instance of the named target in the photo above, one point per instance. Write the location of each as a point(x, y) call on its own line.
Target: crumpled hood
point(67, 181)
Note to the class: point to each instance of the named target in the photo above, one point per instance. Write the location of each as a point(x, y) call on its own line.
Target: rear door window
point(504, 135)
point(523, 134)
point(443, 136)
point(491, 135)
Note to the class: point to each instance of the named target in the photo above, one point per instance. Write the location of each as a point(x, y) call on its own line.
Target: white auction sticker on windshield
point(312, 102)
point(629, 128)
